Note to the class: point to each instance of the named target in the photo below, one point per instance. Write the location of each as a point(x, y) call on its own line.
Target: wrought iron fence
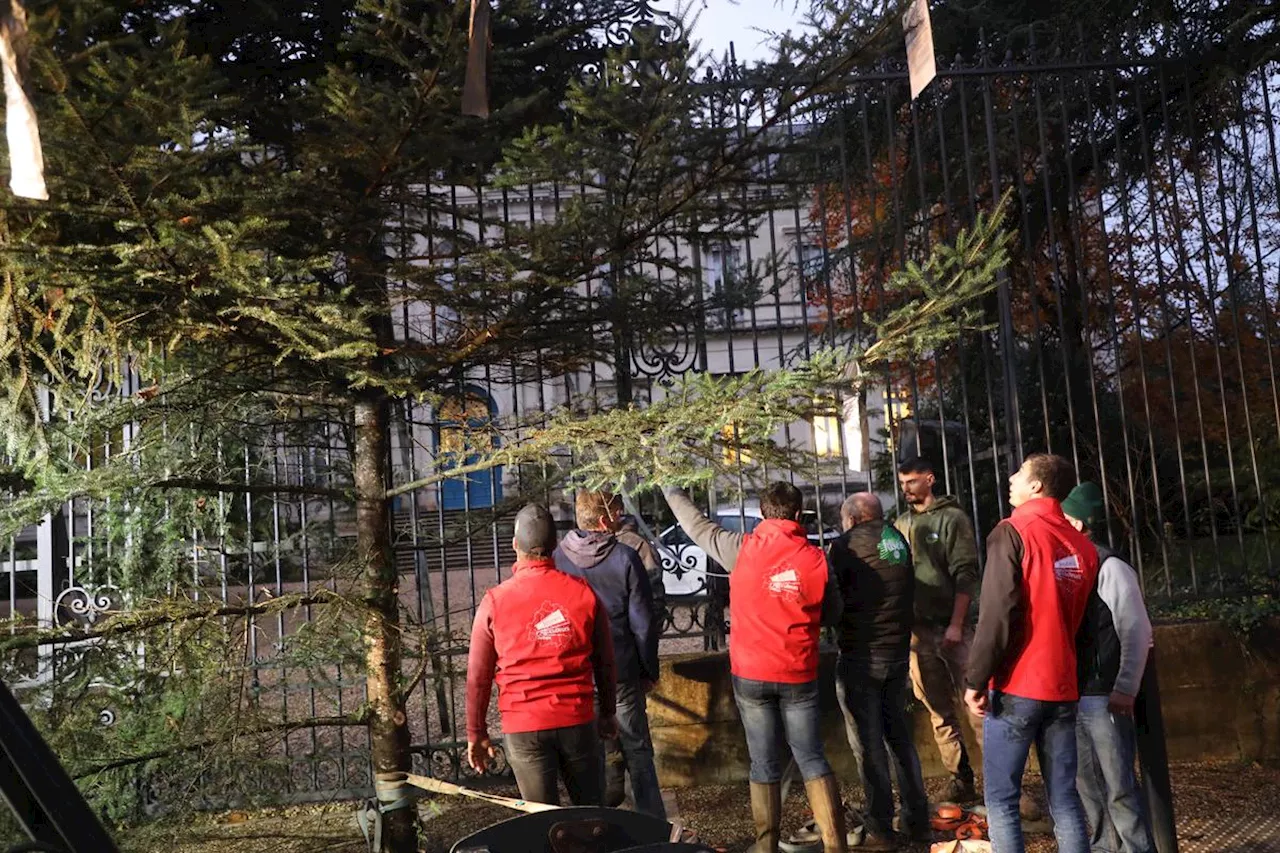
point(1132, 333)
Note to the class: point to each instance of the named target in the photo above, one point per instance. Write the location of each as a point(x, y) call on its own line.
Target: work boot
point(959, 791)
point(828, 813)
point(766, 812)
point(875, 841)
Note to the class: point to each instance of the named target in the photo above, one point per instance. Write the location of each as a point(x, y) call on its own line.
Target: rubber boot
point(766, 812)
point(828, 813)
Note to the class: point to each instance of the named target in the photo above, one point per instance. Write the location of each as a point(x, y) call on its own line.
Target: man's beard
point(916, 500)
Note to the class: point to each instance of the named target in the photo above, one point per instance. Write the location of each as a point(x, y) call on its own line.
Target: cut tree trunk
point(388, 724)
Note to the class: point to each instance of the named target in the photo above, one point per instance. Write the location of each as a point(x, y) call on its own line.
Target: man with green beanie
point(946, 569)
point(1111, 655)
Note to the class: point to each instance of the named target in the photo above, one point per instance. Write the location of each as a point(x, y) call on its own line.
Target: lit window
point(463, 426)
point(899, 404)
point(826, 435)
point(733, 455)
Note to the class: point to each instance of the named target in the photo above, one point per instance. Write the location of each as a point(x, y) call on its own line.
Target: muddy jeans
point(937, 677)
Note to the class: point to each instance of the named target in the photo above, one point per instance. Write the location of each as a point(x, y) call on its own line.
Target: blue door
point(464, 434)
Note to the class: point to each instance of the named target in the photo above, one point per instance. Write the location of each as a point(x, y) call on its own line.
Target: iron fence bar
point(1050, 234)
point(1233, 288)
point(1255, 230)
point(1183, 258)
point(304, 536)
point(855, 293)
point(961, 349)
point(1076, 215)
point(1162, 288)
point(1139, 340)
point(777, 269)
point(1029, 261)
point(877, 281)
point(1211, 306)
point(1012, 406)
point(1270, 125)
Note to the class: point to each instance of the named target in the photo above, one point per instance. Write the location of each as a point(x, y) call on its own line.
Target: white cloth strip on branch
point(26, 158)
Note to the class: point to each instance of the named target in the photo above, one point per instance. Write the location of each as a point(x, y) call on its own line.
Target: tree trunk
point(388, 724)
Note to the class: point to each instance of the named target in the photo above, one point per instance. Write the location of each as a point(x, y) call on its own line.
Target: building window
point(899, 404)
point(721, 268)
point(733, 453)
point(827, 432)
point(464, 426)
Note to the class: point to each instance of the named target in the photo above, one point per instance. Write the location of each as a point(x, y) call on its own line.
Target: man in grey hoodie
point(617, 575)
point(1111, 653)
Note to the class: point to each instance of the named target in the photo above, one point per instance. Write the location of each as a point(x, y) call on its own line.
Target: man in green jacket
point(946, 568)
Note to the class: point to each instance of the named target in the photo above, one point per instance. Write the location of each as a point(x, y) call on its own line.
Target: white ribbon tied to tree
point(26, 159)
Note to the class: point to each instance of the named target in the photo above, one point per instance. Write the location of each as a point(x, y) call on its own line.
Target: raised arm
point(721, 545)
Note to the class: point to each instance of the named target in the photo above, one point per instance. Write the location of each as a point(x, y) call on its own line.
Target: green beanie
point(1085, 503)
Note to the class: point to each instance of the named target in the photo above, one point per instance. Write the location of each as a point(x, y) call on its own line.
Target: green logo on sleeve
point(892, 547)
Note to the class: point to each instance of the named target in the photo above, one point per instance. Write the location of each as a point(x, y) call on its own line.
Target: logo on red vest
point(784, 583)
point(551, 626)
point(1066, 567)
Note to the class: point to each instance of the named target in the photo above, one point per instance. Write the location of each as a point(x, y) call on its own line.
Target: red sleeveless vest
point(775, 597)
point(1059, 568)
point(543, 623)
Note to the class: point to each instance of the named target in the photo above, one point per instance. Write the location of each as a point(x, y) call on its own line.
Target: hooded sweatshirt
point(629, 534)
point(618, 578)
point(945, 556)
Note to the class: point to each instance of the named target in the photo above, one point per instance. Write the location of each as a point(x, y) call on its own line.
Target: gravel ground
point(720, 814)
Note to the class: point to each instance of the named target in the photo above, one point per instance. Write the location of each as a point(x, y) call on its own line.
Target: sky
point(739, 21)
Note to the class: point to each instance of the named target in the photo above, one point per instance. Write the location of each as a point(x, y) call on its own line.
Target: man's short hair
point(862, 506)
point(1057, 476)
point(591, 508)
point(916, 465)
point(781, 500)
point(535, 532)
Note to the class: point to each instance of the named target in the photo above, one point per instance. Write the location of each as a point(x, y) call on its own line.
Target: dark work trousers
point(539, 759)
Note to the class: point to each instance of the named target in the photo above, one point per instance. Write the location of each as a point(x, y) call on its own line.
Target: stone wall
point(1221, 699)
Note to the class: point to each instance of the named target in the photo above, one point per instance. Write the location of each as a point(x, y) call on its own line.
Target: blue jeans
point(1106, 745)
point(873, 697)
point(772, 713)
point(637, 749)
point(1012, 725)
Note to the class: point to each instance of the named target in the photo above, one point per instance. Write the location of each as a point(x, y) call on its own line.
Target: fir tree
point(243, 200)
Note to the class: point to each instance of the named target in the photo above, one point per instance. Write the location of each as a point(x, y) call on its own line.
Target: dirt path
point(1221, 807)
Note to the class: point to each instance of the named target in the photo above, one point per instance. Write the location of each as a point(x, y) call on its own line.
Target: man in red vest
point(1022, 671)
point(781, 592)
point(546, 637)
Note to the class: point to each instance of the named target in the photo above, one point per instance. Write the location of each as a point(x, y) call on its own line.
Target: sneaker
point(959, 791)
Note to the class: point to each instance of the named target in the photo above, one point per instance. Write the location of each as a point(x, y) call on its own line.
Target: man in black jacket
point(872, 564)
point(1111, 656)
point(617, 575)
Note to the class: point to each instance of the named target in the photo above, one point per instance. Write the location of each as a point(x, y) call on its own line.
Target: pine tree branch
point(248, 488)
point(360, 719)
point(169, 613)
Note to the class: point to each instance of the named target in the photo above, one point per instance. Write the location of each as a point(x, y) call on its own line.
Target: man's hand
point(478, 754)
point(609, 727)
point(1120, 703)
point(953, 637)
point(977, 702)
